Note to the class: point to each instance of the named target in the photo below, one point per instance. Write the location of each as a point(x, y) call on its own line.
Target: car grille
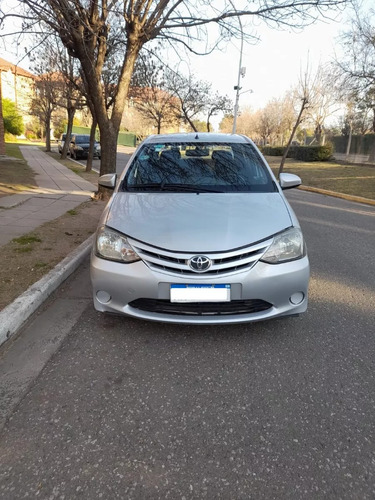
point(201, 308)
point(222, 262)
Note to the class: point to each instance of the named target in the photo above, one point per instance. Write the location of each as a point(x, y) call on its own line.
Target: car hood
point(204, 222)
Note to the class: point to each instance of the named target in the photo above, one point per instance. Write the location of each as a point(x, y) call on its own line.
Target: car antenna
point(197, 136)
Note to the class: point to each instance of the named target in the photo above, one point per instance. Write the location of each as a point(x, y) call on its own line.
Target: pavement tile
point(26, 223)
point(9, 220)
point(59, 190)
point(13, 200)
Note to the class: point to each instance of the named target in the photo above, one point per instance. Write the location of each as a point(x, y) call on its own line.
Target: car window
point(224, 167)
point(81, 139)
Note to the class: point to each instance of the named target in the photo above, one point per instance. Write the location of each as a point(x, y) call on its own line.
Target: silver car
point(198, 231)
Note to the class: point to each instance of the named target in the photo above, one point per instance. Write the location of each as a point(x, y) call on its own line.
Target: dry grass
point(29, 257)
point(356, 180)
point(15, 175)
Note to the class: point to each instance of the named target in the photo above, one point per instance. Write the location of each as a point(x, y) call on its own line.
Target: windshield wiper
point(173, 187)
point(191, 188)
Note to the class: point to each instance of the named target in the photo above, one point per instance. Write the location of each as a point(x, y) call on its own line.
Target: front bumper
point(126, 288)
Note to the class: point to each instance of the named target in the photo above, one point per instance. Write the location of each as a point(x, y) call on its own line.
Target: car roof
point(196, 137)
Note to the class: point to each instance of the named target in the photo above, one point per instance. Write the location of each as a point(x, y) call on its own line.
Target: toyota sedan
point(198, 231)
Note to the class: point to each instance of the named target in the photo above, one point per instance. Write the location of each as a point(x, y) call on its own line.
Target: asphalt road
point(122, 159)
point(276, 410)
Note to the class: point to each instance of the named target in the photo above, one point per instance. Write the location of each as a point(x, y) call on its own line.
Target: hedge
point(313, 153)
point(304, 153)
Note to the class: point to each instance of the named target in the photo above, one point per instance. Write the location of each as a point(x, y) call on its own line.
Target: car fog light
point(297, 298)
point(103, 297)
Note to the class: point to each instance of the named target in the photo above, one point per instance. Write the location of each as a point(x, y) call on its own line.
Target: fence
point(360, 144)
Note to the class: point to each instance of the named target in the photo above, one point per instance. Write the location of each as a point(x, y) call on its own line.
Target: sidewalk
point(59, 190)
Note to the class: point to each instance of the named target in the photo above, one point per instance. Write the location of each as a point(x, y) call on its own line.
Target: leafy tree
point(13, 122)
point(226, 124)
point(200, 126)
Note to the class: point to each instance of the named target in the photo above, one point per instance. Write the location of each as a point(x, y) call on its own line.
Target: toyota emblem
point(200, 263)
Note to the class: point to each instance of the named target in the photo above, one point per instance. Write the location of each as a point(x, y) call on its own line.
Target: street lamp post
point(241, 72)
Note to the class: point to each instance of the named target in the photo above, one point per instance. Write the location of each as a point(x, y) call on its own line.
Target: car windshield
point(206, 167)
point(82, 139)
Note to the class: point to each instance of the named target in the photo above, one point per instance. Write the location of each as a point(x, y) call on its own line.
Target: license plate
point(200, 293)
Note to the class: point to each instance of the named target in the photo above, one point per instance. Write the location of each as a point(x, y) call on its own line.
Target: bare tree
point(48, 89)
point(149, 95)
point(63, 72)
point(357, 67)
point(215, 105)
point(275, 121)
point(85, 28)
point(191, 96)
point(325, 100)
point(305, 94)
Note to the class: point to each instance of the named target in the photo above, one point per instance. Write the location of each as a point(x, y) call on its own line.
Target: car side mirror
point(108, 180)
point(289, 181)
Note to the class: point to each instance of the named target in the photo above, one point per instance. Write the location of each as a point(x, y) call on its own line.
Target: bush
point(30, 135)
point(273, 150)
point(313, 153)
point(13, 122)
point(304, 153)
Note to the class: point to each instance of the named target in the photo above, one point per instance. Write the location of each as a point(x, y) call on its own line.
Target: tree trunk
point(298, 121)
point(48, 131)
point(92, 144)
point(69, 128)
point(108, 142)
point(318, 134)
point(109, 127)
point(194, 128)
point(2, 130)
point(208, 125)
point(349, 143)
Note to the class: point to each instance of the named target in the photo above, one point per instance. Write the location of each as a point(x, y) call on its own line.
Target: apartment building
point(17, 84)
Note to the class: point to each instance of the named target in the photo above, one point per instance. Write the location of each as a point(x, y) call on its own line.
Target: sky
point(273, 65)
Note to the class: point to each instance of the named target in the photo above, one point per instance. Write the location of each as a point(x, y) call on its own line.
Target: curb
point(343, 196)
point(15, 315)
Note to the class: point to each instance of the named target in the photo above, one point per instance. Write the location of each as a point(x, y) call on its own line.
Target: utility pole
point(241, 72)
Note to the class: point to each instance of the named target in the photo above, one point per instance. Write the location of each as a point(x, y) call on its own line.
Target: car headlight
point(288, 245)
point(112, 245)
point(79, 148)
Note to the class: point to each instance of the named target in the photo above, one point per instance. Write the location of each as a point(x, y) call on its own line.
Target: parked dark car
point(79, 147)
